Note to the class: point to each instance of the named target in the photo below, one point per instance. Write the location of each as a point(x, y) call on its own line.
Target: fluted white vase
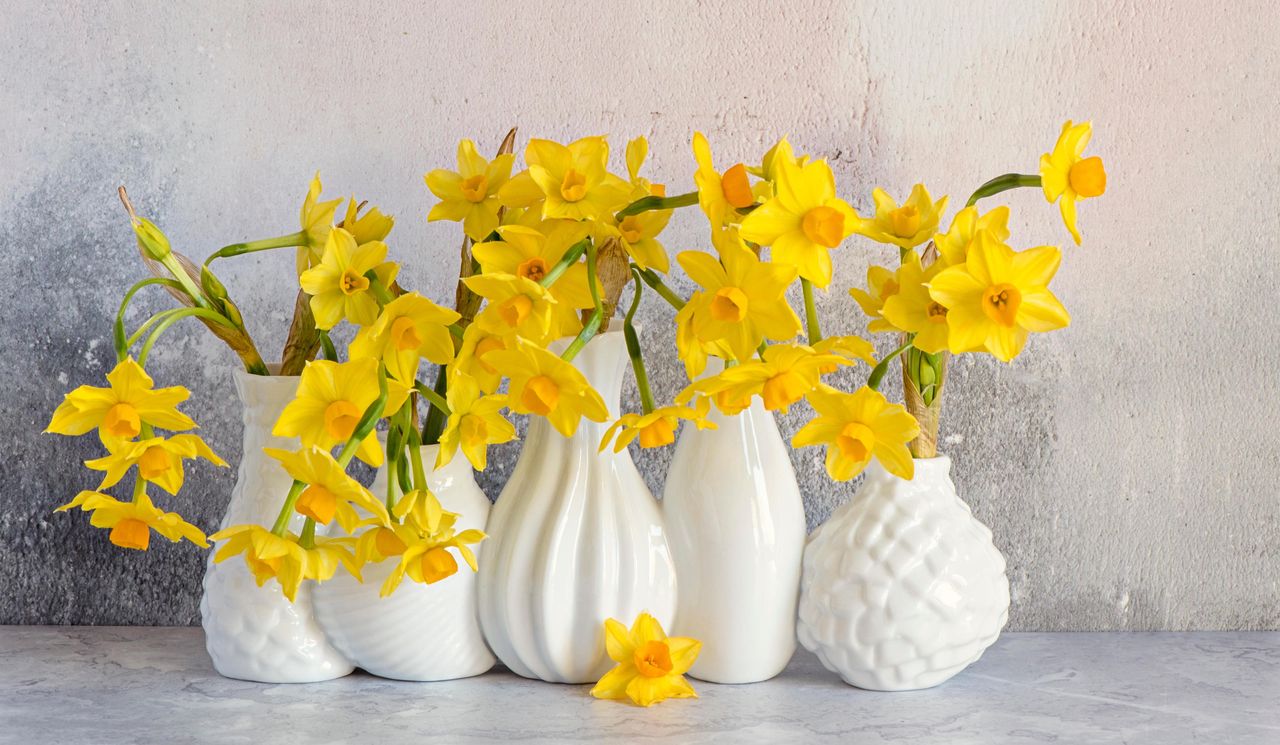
point(902, 586)
point(419, 632)
point(255, 633)
point(575, 538)
point(735, 522)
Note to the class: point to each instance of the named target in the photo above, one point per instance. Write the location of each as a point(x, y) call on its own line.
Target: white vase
point(255, 633)
point(902, 586)
point(735, 522)
point(419, 632)
point(574, 539)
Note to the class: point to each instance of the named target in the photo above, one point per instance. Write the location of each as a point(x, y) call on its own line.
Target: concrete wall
point(1127, 465)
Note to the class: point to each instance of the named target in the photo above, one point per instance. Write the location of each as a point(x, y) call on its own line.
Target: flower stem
point(118, 333)
point(435, 399)
point(434, 425)
point(648, 204)
point(1002, 183)
point(237, 249)
point(569, 259)
point(308, 538)
point(177, 315)
point(652, 279)
point(877, 373)
point(597, 315)
point(633, 348)
point(330, 351)
point(812, 331)
point(378, 289)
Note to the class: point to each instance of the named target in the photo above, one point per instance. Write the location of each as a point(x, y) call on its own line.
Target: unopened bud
point(151, 242)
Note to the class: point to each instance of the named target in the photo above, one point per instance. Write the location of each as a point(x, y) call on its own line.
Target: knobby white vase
point(902, 587)
point(575, 538)
point(251, 632)
point(735, 522)
point(419, 632)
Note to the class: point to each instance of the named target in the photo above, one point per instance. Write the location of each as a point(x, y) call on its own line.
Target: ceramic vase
point(902, 587)
point(419, 632)
point(575, 538)
point(735, 522)
point(251, 632)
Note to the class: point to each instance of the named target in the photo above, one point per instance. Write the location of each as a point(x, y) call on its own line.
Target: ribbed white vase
point(419, 632)
point(902, 587)
point(255, 633)
point(574, 539)
point(735, 522)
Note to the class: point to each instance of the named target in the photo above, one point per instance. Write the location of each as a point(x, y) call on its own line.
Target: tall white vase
point(419, 632)
point(735, 522)
point(574, 539)
point(251, 632)
point(902, 587)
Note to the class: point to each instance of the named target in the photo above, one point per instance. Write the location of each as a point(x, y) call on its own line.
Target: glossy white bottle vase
point(902, 587)
point(735, 522)
point(255, 633)
point(419, 632)
point(575, 538)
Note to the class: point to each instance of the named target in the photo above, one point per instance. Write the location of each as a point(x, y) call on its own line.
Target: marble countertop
point(156, 685)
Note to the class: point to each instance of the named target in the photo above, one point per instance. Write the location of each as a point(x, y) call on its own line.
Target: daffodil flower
point(882, 284)
point(998, 296)
point(905, 226)
point(471, 359)
point(953, 245)
point(1065, 174)
point(544, 384)
point(470, 194)
point(373, 225)
point(655, 429)
point(574, 179)
point(120, 411)
point(331, 399)
point(913, 310)
point(338, 286)
point(787, 374)
point(316, 219)
point(421, 544)
point(651, 665)
point(159, 460)
point(283, 558)
point(720, 195)
point(409, 328)
point(475, 422)
point(330, 492)
point(531, 253)
point(856, 427)
point(131, 523)
point(517, 305)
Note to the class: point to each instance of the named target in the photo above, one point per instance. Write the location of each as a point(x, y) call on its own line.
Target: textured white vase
point(251, 632)
point(902, 586)
point(419, 632)
point(735, 523)
point(574, 539)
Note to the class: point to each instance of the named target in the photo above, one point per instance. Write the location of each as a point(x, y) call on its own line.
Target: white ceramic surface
point(255, 633)
point(419, 632)
point(735, 523)
point(574, 539)
point(902, 586)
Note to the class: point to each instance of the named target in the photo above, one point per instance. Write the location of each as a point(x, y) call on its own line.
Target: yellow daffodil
point(476, 345)
point(475, 422)
point(907, 226)
point(544, 384)
point(856, 427)
point(120, 411)
point(330, 492)
point(998, 296)
point(421, 544)
point(953, 245)
point(638, 235)
point(786, 374)
point(574, 179)
point(637, 152)
point(517, 305)
point(283, 558)
point(913, 310)
point(691, 350)
point(317, 222)
point(655, 429)
point(470, 194)
point(1065, 174)
point(651, 665)
point(852, 348)
point(159, 460)
point(882, 284)
point(373, 225)
point(746, 302)
point(531, 253)
point(768, 168)
point(338, 285)
point(804, 220)
point(409, 328)
point(720, 195)
point(331, 399)
point(131, 523)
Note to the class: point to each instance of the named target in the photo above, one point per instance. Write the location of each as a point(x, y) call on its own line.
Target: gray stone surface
point(141, 685)
point(1127, 465)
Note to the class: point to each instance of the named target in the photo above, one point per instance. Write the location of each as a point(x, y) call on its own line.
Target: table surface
point(125, 685)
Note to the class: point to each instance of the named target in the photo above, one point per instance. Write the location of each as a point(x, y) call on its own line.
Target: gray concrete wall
point(1127, 465)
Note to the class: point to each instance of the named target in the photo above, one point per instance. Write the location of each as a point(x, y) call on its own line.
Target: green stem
point(457, 331)
point(597, 316)
point(633, 348)
point(415, 460)
point(237, 249)
point(378, 289)
point(118, 333)
point(308, 538)
point(286, 510)
point(434, 425)
point(1002, 183)
point(569, 259)
point(648, 204)
point(812, 331)
point(652, 279)
point(877, 373)
point(330, 351)
point(178, 315)
point(434, 398)
point(188, 285)
point(393, 478)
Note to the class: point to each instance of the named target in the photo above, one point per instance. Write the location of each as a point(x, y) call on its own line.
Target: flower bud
point(151, 242)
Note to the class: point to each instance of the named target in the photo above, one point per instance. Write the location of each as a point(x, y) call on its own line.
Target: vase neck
point(264, 397)
point(928, 471)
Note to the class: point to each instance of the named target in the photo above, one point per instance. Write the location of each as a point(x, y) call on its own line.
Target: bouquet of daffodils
point(546, 256)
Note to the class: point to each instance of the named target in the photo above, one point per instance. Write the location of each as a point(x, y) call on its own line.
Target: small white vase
point(255, 633)
point(419, 632)
point(902, 586)
point(735, 522)
point(574, 539)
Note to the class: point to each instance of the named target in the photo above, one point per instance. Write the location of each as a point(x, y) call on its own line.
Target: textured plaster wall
point(1127, 465)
